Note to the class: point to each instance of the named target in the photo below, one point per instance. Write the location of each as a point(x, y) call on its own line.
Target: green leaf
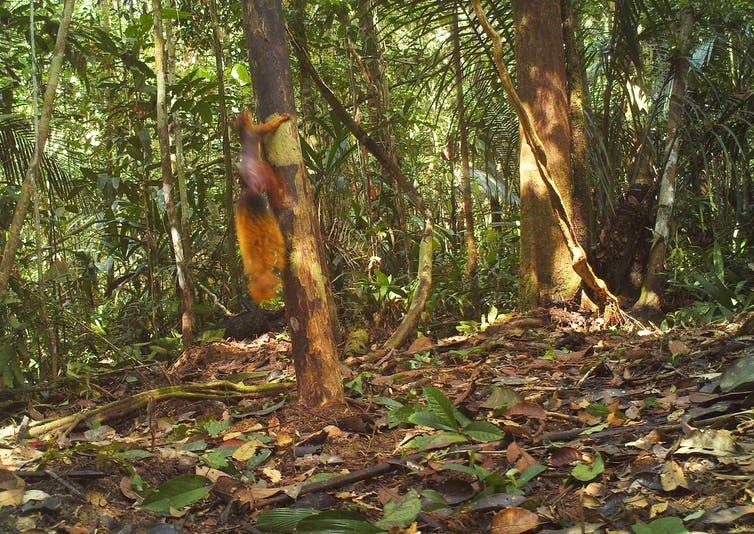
point(399, 416)
point(434, 441)
point(401, 512)
point(177, 493)
point(133, 454)
point(336, 522)
point(598, 410)
point(283, 519)
point(215, 428)
point(586, 473)
point(198, 445)
point(483, 431)
point(664, 525)
point(258, 458)
point(441, 406)
point(530, 473)
point(474, 470)
point(501, 398)
point(594, 429)
point(218, 458)
point(741, 372)
point(240, 73)
point(430, 419)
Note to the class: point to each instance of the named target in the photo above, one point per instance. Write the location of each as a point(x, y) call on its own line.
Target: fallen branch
point(220, 389)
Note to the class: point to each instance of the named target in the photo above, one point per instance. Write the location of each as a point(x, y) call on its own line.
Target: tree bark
point(578, 105)
point(231, 256)
point(424, 274)
point(649, 303)
point(180, 160)
point(14, 232)
point(468, 213)
point(579, 261)
point(163, 135)
point(305, 285)
point(546, 273)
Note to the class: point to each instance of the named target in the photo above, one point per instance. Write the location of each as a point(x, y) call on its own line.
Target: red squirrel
point(259, 236)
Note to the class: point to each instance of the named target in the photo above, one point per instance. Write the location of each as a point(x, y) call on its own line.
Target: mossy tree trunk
point(649, 303)
point(163, 135)
point(22, 207)
point(306, 288)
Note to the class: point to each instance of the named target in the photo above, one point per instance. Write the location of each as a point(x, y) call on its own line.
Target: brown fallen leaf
point(519, 458)
point(527, 409)
point(564, 456)
point(513, 521)
point(729, 515)
point(672, 476)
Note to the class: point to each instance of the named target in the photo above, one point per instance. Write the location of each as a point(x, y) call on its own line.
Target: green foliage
point(176, 493)
point(663, 525)
point(441, 415)
point(586, 473)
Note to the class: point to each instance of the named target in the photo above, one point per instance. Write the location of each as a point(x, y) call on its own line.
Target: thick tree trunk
point(231, 256)
point(650, 299)
point(184, 281)
point(579, 263)
point(468, 213)
point(546, 273)
point(305, 284)
point(14, 232)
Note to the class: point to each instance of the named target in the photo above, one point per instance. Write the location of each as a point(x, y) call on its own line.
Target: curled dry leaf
point(527, 409)
point(672, 476)
point(564, 456)
point(127, 490)
point(514, 521)
point(519, 458)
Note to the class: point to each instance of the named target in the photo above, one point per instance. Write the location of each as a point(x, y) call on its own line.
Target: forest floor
point(537, 424)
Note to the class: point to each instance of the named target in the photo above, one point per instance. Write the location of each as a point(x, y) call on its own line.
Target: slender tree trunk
point(46, 324)
point(231, 256)
point(14, 232)
point(468, 212)
point(546, 273)
point(180, 160)
point(650, 299)
point(184, 281)
point(578, 100)
point(378, 98)
point(306, 289)
point(424, 275)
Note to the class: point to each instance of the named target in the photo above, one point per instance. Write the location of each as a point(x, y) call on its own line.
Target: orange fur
point(262, 250)
point(259, 237)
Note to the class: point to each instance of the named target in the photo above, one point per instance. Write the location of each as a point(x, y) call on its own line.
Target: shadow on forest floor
point(536, 424)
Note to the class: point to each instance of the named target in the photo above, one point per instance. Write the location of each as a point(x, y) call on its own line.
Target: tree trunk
point(579, 263)
point(378, 99)
point(650, 301)
point(468, 213)
point(306, 289)
point(546, 273)
point(231, 256)
point(424, 274)
point(180, 161)
point(578, 100)
point(184, 281)
point(14, 232)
